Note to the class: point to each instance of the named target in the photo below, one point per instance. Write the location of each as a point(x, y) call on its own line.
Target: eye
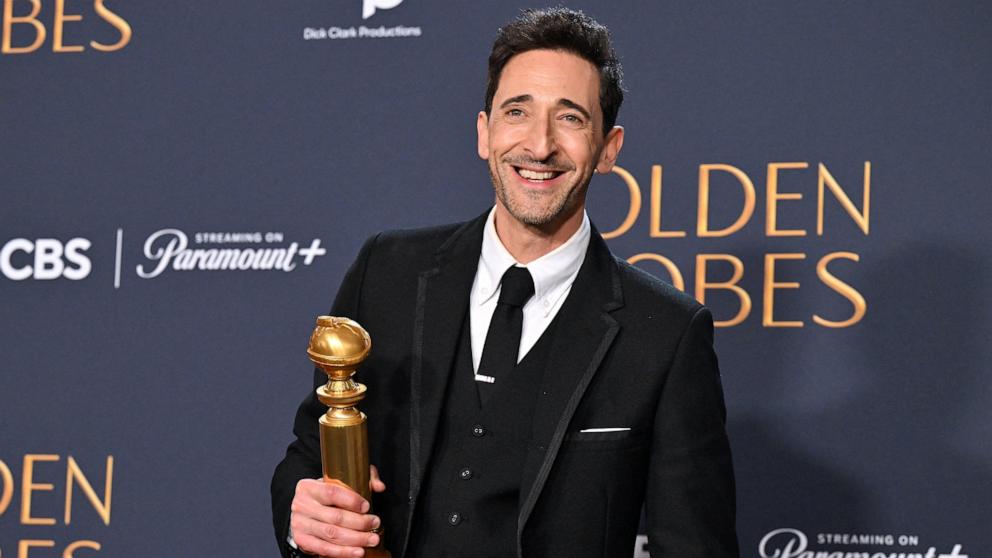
point(514, 113)
point(573, 120)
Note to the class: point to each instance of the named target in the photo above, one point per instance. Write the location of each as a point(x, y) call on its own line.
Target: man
point(610, 398)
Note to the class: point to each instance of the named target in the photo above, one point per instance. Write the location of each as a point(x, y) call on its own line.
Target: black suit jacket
point(630, 352)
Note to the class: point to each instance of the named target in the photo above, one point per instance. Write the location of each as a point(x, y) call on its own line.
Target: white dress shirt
point(553, 275)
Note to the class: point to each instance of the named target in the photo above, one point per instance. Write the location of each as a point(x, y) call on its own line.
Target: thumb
point(375, 483)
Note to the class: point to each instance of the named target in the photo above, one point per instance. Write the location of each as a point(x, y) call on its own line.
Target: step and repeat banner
point(183, 184)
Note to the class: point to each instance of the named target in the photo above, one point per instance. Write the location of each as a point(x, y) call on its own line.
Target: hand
point(330, 519)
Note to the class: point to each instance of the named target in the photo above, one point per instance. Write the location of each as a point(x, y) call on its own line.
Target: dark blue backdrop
point(231, 117)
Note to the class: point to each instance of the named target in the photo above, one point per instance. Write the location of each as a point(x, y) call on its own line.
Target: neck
point(527, 243)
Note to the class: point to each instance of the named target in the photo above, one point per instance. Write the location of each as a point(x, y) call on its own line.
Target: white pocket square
point(603, 430)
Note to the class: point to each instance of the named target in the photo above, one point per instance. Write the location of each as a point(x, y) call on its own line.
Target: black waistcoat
point(470, 502)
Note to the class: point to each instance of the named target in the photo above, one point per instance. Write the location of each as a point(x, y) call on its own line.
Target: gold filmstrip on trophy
point(338, 346)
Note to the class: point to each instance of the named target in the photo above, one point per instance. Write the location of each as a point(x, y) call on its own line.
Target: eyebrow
point(575, 106)
point(518, 99)
point(562, 102)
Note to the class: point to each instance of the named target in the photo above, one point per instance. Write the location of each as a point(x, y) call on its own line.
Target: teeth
point(532, 175)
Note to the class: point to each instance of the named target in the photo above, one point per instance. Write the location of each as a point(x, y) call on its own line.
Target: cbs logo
point(45, 259)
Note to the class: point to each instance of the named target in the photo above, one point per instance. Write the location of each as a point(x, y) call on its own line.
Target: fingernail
point(358, 552)
point(375, 522)
point(366, 506)
point(373, 539)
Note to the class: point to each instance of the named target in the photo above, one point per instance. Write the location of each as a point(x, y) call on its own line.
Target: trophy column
point(338, 346)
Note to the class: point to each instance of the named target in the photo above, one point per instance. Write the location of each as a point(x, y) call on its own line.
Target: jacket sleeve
point(303, 454)
point(691, 493)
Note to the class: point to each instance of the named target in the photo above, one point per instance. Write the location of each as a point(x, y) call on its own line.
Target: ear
point(611, 149)
point(482, 128)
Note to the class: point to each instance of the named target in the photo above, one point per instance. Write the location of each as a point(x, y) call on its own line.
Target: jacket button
point(465, 473)
point(454, 518)
point(478, 431)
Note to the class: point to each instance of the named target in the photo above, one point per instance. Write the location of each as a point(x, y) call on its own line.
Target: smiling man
point(529, 392)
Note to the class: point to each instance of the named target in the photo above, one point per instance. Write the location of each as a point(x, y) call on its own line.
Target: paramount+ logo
point(793, 543)
point(28, 24)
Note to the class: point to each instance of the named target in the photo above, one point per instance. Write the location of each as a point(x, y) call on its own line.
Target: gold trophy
point(338, 346)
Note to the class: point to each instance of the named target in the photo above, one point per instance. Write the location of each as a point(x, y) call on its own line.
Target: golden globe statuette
point(338, 346)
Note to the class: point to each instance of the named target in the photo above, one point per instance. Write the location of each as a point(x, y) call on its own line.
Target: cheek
point(505, 133)
point(580, 151)
point(505, 138)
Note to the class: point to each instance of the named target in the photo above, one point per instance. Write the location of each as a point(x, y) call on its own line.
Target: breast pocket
point(605, 440)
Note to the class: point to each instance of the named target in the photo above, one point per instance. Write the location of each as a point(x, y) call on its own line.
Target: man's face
point(544, 137)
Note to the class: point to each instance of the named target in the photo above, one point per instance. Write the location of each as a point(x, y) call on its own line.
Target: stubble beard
point(544, 209)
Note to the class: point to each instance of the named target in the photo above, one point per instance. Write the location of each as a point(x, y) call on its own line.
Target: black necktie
point(499, 354)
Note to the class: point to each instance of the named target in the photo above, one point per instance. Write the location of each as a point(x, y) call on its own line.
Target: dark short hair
point(561, 29)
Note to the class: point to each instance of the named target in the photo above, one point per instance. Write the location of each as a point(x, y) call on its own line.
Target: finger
point(317, 547)
point(324, 549)
point(334, 493)
point(375, 483)
point(335, 516)
point(336, 535)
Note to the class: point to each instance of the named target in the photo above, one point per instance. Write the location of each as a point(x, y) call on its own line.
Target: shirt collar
point(553, 272)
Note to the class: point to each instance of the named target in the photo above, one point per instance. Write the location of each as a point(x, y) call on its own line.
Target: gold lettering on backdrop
point(117, 22)
point(69, 550)
point(702, 285)
point(771, 285)
point(28, 487)
point(9, 19)
point(773, 196)
point(845, 290)
point(703, 212)
point(656, 231)
point(25, 546)
point(677, 281)
point(635, 203)
point(776, 199)
point(33, 506)
point(824, 178)
point(73, 472)
point(8, 486)
point(60, 18)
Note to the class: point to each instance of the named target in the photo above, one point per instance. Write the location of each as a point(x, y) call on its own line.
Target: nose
point(541, 142)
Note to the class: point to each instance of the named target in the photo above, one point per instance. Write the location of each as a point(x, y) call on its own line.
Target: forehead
point(550, 75)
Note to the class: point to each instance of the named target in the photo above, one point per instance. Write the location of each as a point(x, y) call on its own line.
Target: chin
point(539, 216)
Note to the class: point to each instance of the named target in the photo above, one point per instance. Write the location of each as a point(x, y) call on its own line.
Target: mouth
point(537, 176)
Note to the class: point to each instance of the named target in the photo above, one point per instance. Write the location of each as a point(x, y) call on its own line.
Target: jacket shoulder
point(645, 291)
point(412, 244)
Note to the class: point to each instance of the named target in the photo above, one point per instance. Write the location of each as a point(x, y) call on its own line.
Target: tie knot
point(517, 286)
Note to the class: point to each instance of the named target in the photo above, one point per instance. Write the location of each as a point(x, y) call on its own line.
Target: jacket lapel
point(442, 302)
point(584, 333)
